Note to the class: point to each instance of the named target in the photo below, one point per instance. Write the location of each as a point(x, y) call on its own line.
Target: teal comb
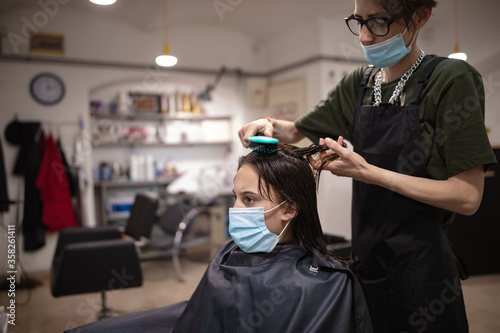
point(263, 144)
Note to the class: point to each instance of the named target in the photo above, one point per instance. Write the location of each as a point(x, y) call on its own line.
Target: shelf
point(159, 116)
point(212, 125)
point(180, 144)
point(125, 184)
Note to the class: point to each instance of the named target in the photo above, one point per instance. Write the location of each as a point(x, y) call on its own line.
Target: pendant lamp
point(166, 59)
point(103, 2)
point(457, 54)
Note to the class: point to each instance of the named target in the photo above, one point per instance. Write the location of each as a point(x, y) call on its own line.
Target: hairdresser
point(416, 122)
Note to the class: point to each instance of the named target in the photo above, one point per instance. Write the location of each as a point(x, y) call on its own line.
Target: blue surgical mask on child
point(389, 52)
point(247, 227)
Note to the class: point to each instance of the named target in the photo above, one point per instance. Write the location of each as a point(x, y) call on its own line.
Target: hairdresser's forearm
point(461, 193)
point(286, 132)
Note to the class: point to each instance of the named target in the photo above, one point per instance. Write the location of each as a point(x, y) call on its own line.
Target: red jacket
point(57, 211)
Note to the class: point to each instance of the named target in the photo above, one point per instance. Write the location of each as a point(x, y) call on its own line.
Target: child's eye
point(249, 200)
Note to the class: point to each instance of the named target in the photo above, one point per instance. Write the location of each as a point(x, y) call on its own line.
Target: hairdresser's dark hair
point(288, 176)
point(405, 9)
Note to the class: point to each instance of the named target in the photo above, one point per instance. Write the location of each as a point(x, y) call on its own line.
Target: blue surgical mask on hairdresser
point(247, 227)
point(389, 52)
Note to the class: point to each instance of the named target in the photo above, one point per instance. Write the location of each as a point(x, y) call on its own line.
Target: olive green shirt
point(451, 116)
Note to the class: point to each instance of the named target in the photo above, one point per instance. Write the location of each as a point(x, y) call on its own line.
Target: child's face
point(246, 191)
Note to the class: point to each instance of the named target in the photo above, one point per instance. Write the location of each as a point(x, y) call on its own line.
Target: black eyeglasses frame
point(387, 20)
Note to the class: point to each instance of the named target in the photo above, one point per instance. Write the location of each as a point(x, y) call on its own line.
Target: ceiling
point(260, 19)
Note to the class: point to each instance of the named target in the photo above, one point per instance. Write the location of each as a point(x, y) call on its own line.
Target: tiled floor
point(44, 314)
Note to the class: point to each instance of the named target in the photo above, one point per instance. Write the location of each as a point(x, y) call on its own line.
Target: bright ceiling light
point(166, 60)
point(458, 55)
point(103, 2)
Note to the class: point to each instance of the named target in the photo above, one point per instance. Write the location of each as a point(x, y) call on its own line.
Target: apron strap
point(423, 80)
point(362, 86)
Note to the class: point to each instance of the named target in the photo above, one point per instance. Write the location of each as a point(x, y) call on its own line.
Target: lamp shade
point(166, 59)
point(103, 2)
point(457, 54)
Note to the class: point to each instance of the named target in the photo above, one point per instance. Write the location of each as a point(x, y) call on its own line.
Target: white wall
point(300, 43)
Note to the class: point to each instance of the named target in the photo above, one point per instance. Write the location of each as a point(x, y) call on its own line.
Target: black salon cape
point(276, 292)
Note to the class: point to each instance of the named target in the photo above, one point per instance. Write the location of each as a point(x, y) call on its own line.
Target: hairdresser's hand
point(263, 126)
point(348, 164)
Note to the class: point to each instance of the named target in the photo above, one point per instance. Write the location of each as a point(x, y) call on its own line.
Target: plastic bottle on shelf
point(123, 103)
point(137, 167)
point(140, 167)
point(149, 167)
point(133, 172)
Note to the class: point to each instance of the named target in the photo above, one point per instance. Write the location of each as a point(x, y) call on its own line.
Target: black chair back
point(142, 217)
point(74, 235)
point(87, 267)
point(174, 214)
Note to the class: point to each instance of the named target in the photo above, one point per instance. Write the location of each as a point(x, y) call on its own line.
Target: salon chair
point(90, 260)
point(100, 259)
point(177, 233)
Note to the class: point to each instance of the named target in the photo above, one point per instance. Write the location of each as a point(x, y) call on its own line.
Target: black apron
point(400, 249)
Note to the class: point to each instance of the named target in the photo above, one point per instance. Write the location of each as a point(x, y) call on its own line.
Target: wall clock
point(47, 88)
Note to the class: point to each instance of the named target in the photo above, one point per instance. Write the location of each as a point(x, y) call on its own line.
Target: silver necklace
point(396, 95)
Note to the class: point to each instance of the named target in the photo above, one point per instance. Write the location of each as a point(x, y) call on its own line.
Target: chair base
point(106, 312)
point(109, 313)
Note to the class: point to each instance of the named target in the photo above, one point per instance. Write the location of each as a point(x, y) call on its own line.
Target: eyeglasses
point(378, 26)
